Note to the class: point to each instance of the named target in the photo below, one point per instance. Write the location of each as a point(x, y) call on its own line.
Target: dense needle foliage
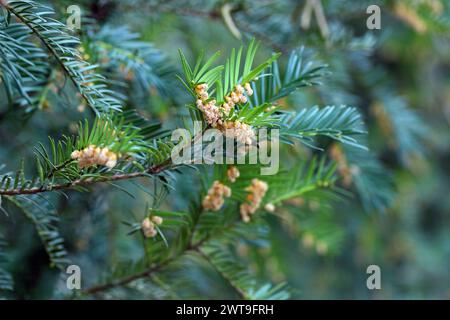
point(87, 177)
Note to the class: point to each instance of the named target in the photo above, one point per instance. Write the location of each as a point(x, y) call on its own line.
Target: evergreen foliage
point(100, 188)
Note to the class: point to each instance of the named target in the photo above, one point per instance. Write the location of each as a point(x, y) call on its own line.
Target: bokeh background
point(398, 77)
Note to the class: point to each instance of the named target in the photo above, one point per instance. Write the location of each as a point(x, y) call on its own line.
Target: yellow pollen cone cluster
point(233, 173)
point(94, 155)
point(240, 131)
point(256, 190)
point(209, 108)
point(214, 200)
point(236, 96)
point(214, 114)
point(148, 226)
